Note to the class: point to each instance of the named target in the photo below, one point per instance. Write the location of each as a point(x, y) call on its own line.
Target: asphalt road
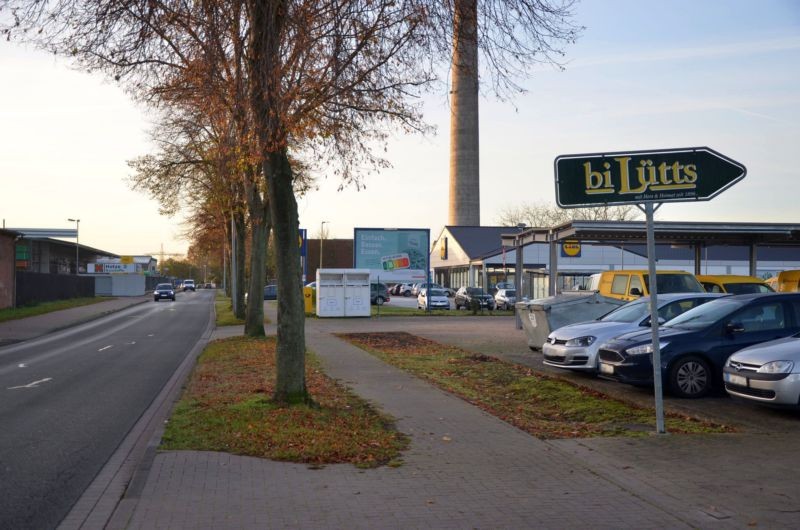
point(69, 399)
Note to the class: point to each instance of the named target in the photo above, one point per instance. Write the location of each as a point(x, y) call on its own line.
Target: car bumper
point(633, 370)
point(573, 358)
point(755, 387)
point(158, 296)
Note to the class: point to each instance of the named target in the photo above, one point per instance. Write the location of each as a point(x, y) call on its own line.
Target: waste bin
point(541, 316)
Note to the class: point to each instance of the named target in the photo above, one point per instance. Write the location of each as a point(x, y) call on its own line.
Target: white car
point(767, 373)
point(505, 298)
point(437, 298)
point(575, 346)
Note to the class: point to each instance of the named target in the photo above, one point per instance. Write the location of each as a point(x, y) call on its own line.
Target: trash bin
point(541, 316)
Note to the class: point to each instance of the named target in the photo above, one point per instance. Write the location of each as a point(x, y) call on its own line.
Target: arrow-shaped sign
point(667, 175)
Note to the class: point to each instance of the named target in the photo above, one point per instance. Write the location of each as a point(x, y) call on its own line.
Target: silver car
point(575, 346)
point(505, 298)
point(767, 373)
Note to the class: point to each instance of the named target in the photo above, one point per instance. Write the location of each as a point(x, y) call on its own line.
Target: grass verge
point(226, 406)
point(543, 406)
point(48, 307)
point(224, 312)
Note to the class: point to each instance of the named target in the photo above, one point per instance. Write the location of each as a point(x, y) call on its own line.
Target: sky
point(644, 75)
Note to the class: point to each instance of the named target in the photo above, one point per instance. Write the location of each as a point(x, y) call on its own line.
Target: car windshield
point(676, 283)
point(437, 292)
point(474, 291)
point(631, 312)
point(706, 314)
point(511, 292)
point(164, 286)
point(747, 288)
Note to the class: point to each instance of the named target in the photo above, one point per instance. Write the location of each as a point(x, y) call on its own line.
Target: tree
point(542, 214)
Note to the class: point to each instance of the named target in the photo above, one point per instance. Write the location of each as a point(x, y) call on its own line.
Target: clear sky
point(645, 75)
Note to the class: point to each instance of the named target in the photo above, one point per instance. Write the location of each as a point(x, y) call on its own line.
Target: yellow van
point(786, 281)
point(631, 284)
point(733, 284)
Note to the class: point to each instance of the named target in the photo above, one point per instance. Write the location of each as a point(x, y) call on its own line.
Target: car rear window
point(747, 288)
point(676, 283)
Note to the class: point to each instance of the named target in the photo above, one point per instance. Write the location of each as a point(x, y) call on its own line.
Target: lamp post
point(77, 243)
point(321, 239)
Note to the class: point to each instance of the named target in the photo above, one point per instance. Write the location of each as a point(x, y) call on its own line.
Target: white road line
point(31, 385)
point(22, 365)
point(106, 347)
point(130, 343)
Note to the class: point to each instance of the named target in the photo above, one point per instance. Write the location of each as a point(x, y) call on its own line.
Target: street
point(70, 398)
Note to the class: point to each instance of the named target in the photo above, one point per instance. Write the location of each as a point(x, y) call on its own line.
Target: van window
point(746, 288)
point(712, 287)
point(636, 283)
point(619, 284)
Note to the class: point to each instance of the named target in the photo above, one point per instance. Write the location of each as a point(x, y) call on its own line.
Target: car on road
point(271, 292)
point(466, 296)
point(575, 346)
point(188, 285)
point(696, 345)
point(433, 297)
point(505, 298)
point(164, 290)
point(378, 293)
point(768, 373)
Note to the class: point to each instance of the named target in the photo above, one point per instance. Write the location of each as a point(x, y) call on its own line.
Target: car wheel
point(379, 300)
point(406, 293)
point(690, 377)
point(155, 299)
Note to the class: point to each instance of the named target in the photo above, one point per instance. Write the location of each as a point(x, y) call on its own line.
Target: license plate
point(606, 368)
point(736, 379)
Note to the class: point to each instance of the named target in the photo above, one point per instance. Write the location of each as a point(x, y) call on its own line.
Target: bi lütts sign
point(669, 175)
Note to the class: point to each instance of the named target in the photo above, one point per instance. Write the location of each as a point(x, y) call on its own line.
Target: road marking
point(106, 347)
point(22, 365)
point(130, 343)
point(31, 385)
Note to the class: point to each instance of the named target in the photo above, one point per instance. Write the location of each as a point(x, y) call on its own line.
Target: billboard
point(393, 254)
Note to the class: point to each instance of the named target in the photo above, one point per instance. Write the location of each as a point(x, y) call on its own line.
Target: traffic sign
point(634, 177)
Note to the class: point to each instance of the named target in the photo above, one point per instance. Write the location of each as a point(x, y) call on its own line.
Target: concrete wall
point(7, 259)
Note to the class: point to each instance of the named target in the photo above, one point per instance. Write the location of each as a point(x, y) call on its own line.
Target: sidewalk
point(23, 329)
point(467, 469)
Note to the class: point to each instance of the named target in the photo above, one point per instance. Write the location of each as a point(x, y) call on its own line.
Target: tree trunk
point(290, 385)
point(241, 256)
point(260, 225)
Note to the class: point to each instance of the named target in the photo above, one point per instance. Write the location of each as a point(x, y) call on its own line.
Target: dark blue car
point(695, 345)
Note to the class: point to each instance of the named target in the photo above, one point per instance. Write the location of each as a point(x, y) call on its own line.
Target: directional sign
point(668, 175)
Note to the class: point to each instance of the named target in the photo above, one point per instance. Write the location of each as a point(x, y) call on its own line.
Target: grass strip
point(42, 308)
point(543, 406)
point(226, 406)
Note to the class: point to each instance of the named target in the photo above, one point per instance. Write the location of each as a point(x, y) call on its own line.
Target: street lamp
point(321, 239)
point(77, 242)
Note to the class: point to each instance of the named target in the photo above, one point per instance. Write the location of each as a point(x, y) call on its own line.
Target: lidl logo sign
point(570, 249)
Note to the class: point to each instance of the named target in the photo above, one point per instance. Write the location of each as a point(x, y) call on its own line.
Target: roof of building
point(478, 241)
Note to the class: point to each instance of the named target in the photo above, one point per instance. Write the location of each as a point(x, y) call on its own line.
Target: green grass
point(544, 406)
point(227, 407)
point(224, 311)
point(48, 307)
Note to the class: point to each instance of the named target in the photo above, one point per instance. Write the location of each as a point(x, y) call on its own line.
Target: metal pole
point(519, 265)
point(77, 243)
point(321, 239)
point(651, 266)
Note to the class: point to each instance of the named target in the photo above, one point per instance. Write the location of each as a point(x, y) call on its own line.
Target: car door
point(753, 324)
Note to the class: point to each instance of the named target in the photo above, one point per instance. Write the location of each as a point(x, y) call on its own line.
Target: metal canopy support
point(698, 258)
point(753, 259)
point(553, 276)
point(519, 265)
point(649, 210)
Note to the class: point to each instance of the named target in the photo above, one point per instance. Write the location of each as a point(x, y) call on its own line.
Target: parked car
point(505, 298)
point(695, 345)
point(188, 285)
point(733, 284)
point(768, 373)
point(424, 285)
point(164, 290)
point(465, 295)
point(575, 346)
point(313, 285)
point(631, 284)
point(271, 292)
point(501, 285)
point(378, 293)
point(436, 298)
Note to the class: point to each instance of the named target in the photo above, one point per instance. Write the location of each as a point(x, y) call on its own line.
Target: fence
point(34, 287)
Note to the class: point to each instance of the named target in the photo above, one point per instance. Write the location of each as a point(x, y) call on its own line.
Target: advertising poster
point(392, 254)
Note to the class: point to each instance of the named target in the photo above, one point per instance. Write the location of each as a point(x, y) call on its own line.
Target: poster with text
point(392, 254)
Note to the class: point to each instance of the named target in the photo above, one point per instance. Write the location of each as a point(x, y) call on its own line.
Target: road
point(69, 399)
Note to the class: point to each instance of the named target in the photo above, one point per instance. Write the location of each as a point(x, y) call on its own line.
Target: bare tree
point(543, 214)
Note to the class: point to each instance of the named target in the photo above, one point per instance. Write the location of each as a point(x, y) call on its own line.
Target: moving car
point(505, 298)
point(733, 284)
point(164, 290)
point(378, 293)
point(695, 345)
point(466, 295)
point(188, 285)
point(436, 298)
point(767, 373)
point(575, 346)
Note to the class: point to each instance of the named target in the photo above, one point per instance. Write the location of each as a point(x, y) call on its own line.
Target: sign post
point(646, 179)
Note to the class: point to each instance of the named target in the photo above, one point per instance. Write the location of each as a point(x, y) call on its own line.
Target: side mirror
point(734, 327)
point(635, 291)
point(647, 321)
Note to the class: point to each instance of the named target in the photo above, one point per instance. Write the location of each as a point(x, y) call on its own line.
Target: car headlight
point(777, 367)
point(581, 341)
point(645, 348)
